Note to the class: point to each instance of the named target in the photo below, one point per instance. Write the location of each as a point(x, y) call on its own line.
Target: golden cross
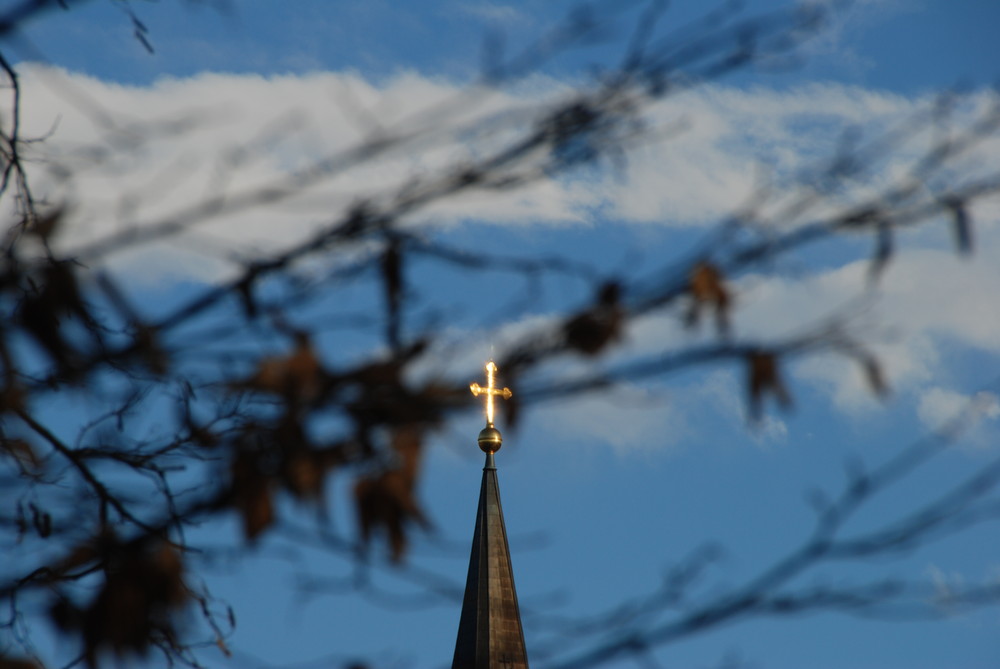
point(490, 391)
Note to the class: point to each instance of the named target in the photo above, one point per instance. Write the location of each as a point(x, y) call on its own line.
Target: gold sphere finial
point(490, 439)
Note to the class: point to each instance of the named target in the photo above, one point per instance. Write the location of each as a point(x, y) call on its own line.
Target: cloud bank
point(188, 149)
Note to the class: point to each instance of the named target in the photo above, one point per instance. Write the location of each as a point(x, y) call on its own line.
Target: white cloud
point(626, 418)
point(729, 140)
point(722, 393)
point(217, 135)
point(939, 407)
point(926, 300)
point(180, 148)
point(139, 155)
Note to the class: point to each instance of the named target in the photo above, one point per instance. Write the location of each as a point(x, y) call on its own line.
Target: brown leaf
point(303, 473)
point(83, 554)
point(11, 397)
point(296, 375)
point(257, 510)
point(590, 331)
point(383, 398)
point(251, 491)
point(120, 615)
point(407, 441)
point(143, 585)
point(706, 283)
point(165, 574)
point(708, 290)
point(763, 377)
point(386, 502)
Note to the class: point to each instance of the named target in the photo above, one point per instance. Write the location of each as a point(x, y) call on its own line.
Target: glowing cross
point(490, 391)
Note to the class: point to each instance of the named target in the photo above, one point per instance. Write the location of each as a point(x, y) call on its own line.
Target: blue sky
point(601, 494)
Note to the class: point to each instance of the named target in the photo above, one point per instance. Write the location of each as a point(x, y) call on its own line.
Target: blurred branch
point(772, 591)
point(259, 409)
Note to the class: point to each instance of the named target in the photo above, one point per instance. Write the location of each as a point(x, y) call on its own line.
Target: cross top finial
point(490, 391)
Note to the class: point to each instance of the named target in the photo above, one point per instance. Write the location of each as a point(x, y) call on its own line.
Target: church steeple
point(490, 635)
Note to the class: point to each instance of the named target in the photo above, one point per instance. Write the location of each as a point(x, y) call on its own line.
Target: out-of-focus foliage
point(97, 520)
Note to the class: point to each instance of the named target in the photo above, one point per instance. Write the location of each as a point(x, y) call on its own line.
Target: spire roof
point(490, 635)
point(489, 632)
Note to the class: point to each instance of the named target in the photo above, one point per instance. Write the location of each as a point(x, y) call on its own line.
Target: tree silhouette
point(255, 407)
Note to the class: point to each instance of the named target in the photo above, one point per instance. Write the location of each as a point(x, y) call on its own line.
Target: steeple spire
point(489, 632)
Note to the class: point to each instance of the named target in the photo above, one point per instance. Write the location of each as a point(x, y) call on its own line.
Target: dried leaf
point(119, 617)
point(165, 575)
point(296, 375)
point(11, 397)
point(706, 283)
point(386, 502)
point(251, 494)
point(708, 289)
point(257, 510)
point(143, 585)
point(304, 473)
point(407, 442)
point(763, 377)
point(82, 555)
point(590, 331)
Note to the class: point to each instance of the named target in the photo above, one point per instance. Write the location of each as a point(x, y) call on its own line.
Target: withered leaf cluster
point(143, 586)
point(244, 401)
point(387, 502)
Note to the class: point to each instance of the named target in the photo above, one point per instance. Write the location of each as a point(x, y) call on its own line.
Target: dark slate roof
point(489, 632)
